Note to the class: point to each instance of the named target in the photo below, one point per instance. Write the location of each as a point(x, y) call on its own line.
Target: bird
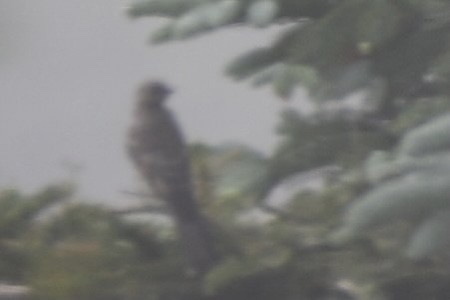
point(158, 150)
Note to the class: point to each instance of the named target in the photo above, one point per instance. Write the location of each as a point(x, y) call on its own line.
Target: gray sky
point(68, 70)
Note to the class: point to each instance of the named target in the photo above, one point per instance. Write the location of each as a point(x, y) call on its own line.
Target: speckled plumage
point(158, 150)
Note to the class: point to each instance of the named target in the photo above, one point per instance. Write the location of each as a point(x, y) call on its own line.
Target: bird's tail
point(198, 244)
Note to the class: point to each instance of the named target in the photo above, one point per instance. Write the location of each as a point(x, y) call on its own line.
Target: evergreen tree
point(396, 49)
point(394, 148)
point(18, 216)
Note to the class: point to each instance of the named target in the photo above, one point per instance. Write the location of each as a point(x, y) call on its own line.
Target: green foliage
point(232, 273)
point(347, 45)
point(308, 142)
point(427, 139)
point(19, 211)
point(412, 185)
point(420, 112)
point(87, 252)
point(18, 214)
point(396, 51)
point(229, 178)
point(431, 238)
point(85, 270)
point(250, 63)
point(407, 197)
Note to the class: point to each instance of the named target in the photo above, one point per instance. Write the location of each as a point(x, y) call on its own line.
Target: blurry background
point(365, 178)
point(68, 70)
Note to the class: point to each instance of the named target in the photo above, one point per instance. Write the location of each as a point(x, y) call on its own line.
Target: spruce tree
point(394, 148)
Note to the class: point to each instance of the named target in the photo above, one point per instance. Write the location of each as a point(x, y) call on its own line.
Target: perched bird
point(158, 150)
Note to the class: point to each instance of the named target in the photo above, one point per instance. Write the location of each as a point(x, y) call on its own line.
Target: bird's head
point(152, 94)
